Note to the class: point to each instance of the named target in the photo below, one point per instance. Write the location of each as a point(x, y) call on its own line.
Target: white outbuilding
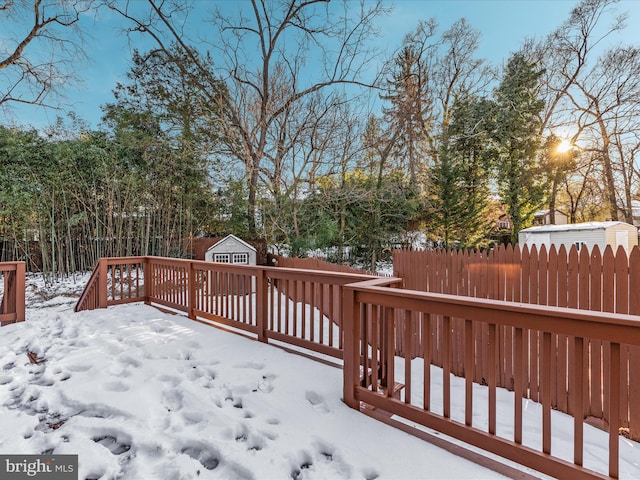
point(231, 249)
point(588, 234)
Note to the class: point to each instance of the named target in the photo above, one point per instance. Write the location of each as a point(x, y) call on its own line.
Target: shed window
point(241, 258)
point(221, 257)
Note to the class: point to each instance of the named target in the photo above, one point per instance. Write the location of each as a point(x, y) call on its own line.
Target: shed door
point(622, 238)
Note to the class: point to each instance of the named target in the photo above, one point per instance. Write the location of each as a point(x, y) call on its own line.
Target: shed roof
point(574, 227)
point(541, 213)
point(231, 237)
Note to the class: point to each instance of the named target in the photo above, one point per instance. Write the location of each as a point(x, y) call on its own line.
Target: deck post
point(20, 287)
point(102, 283)
point(191, 293)
point(262, 309)
point(350, 329)
point(148, 283)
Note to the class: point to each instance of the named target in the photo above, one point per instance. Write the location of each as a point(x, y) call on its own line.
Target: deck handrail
point(12, 303)
point(250, 298)
point(373, 317)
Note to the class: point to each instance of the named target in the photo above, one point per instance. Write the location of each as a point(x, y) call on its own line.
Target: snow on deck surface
point(140, 394)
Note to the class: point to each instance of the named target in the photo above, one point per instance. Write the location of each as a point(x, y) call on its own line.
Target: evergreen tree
point(409, 113)
point(459, 179)
point(516, 141)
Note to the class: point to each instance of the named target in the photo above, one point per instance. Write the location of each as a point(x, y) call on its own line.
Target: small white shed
point(231, 249)
point(586, 234)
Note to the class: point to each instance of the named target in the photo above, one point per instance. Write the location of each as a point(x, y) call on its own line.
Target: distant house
point(543, 217)
point(231, 249)
point(581, 235)
point(502, 226)
point(504, 222)
point(635, 212)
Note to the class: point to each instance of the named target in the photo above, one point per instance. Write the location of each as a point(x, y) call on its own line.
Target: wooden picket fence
point(587, 280)
point(316, 264)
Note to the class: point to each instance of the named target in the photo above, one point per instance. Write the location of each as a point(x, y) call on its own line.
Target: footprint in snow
point(316, 400)
point(321, 462)
point(172, 400)
point(252, 439)
point(302, 464)
point(208, 456)
point(115, 445)
point(80, 367)
point(241, 433)
point(61, 375)
point(235, 401)
point(170, 380)
point(116, 386)
point(45, 381)
point(207, 379)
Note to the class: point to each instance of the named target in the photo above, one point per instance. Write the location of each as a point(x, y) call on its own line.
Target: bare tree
point(606, 102)
point(592, 93)
point(459, 73)
point(271, 57)
point(429, 73)
point(40, 48)
point(568, 51)
point(582, 192)
point(410, 84)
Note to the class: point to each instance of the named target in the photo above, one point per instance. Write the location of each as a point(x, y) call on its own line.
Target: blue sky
point(503, 24)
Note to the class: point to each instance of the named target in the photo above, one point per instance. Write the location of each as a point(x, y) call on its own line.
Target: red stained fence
point(584, 280)
point(12, 292)
point(316, 264)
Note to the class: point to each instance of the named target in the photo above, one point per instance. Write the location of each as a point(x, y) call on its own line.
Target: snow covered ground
point(140, 394)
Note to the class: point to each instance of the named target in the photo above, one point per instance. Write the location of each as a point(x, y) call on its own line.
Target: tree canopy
point(284, 122)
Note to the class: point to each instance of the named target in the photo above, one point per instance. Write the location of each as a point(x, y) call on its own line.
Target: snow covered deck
point(388, 337)
point(142, 394)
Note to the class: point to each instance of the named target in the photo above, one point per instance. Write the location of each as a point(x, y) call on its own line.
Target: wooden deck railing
point(585, 279)
point(359, 319)
point(402, 385)
point(296, 307)
point(12, 292)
